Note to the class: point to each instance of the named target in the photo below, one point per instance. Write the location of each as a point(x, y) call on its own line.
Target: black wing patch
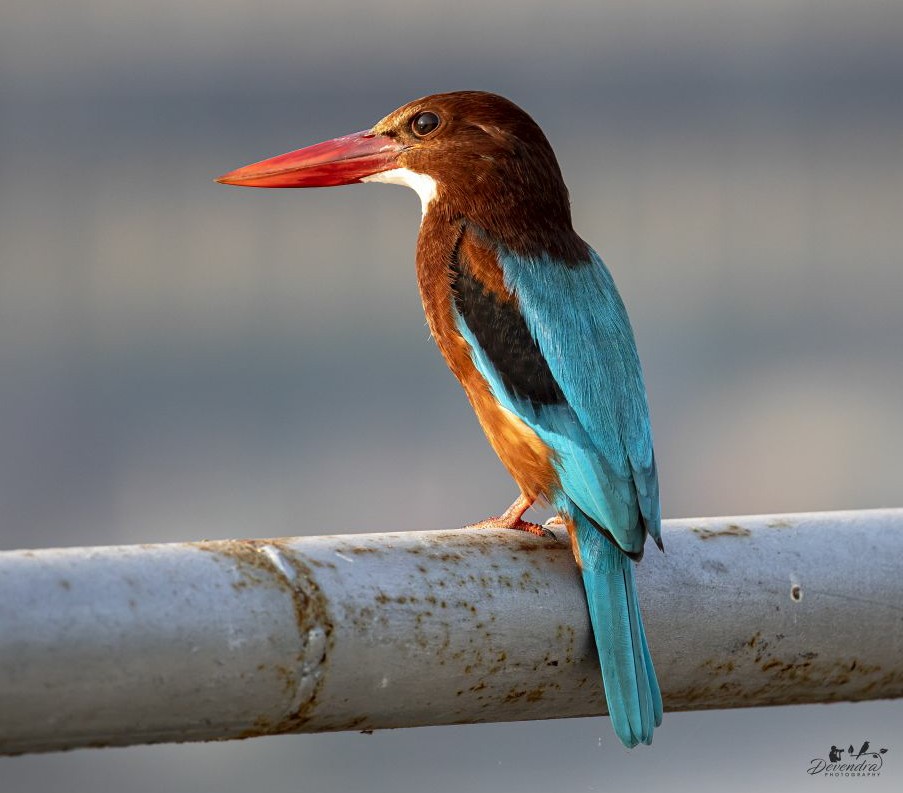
point(504, 336)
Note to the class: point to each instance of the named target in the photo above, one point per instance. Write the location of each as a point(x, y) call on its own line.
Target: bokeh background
point(181, 360)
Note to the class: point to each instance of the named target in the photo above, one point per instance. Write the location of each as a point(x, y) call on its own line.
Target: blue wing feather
point(603, 456)
point(579, 322)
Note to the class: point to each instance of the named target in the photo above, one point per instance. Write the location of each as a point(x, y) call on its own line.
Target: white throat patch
point(423, 185)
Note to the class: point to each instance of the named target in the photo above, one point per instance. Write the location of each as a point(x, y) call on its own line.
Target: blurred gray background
point(182, 360)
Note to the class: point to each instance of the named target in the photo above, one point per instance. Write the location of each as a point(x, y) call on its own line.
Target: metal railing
point(215, 640)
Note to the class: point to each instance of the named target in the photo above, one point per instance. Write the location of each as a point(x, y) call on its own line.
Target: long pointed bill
point(341, 161)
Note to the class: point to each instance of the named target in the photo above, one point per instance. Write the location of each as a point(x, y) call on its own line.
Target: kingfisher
point(528, 318)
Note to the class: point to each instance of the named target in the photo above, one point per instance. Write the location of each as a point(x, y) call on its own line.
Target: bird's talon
point(501, 522)
point(533, 528)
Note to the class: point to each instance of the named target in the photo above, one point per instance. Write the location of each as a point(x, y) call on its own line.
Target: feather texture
point(579, 322)
point(595, 423)
point(631, 688)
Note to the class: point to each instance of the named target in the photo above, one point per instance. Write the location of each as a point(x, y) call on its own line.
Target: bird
point(529, 320)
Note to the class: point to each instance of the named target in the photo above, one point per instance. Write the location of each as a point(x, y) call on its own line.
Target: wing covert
point(584, 394)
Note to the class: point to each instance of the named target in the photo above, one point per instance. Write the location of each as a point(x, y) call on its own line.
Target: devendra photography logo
point(849, 762)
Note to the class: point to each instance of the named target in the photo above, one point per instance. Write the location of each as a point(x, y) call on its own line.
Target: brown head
point(470, 155)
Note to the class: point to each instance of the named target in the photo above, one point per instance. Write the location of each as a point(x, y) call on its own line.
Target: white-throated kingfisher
point(529, 319)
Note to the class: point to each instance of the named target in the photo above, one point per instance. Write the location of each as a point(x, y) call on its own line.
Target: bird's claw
point(516, 525)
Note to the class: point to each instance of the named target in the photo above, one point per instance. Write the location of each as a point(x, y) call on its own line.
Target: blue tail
point(631, 690)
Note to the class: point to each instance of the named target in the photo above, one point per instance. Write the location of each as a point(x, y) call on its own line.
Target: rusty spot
point(514, 695)
point(782, 679)
point(319, 563)
point(796, 593)
point(255, 566)
point(718, 667)
point(531, 695)
point(731, 530)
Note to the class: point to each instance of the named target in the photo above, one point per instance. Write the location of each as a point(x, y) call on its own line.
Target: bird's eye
point(424, 123)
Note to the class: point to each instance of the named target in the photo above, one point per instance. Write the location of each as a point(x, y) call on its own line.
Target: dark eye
point(424, 123)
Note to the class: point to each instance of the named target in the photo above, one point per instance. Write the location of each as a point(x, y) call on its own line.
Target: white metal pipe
point(213, 640)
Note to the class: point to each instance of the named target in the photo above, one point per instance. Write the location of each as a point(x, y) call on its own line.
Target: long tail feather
point(631, 689)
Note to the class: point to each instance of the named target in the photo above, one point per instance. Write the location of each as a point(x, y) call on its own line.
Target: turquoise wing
point(562, 358)
point(599, 429)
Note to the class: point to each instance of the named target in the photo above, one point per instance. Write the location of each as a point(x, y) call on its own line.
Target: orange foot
point(512, 518)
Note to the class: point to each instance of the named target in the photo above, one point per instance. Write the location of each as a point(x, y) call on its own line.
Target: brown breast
point(526, 457)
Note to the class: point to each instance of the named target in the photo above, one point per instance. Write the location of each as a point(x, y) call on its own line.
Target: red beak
point(341, 161)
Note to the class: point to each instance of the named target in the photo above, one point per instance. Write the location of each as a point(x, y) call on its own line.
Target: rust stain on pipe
point(731, 530)
point(782, 679)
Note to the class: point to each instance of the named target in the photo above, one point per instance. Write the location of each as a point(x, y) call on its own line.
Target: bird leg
point(512, 518)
